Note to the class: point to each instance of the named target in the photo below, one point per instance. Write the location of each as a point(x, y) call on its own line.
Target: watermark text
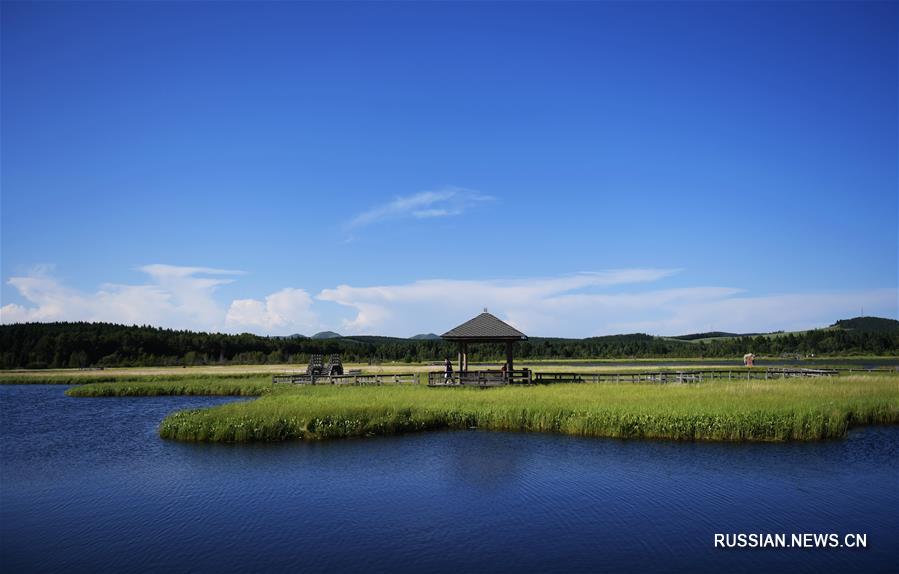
point(794, 540)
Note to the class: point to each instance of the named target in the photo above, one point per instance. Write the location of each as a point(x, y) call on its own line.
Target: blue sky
point(392, 168)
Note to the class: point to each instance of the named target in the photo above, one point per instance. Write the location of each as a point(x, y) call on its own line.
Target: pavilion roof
point(485, 327)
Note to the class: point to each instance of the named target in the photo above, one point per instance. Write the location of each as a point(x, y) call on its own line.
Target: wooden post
point(509, 366)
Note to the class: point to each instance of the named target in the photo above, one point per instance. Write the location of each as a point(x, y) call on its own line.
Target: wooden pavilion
point(485, 328)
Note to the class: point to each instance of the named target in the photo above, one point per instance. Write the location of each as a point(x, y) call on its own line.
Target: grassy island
point(776, 410)
point(177, 386)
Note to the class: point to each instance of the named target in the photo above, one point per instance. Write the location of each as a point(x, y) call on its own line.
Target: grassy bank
point(63, 378)
point(210, 387)
point(809, 409)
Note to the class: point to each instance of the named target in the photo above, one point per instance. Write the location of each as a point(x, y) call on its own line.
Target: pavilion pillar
point(461, 354)
point(465, 356)
point(509, 356)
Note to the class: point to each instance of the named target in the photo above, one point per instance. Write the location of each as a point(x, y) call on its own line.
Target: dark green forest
point(79, 345)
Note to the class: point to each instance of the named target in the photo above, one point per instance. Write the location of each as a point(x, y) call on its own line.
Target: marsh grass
point(782, 410)
point(87, 379)
point(145, 388)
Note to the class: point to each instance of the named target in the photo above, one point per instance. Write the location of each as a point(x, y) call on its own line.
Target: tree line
point(81, 345)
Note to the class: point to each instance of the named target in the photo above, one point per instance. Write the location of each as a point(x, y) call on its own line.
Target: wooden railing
point(497, 378)
point(691, 376)
point(485, 378)
point(350, 379)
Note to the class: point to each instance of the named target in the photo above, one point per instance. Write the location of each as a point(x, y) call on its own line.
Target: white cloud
point(190, 291)
point(403, 309)
point(570, 306)
point(444, 202)
point(175, 297)
point(763, 313)
point(52, 301)
point(286, 310)
point(578, 305)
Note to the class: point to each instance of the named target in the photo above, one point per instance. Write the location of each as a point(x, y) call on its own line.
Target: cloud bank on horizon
point(577, 305)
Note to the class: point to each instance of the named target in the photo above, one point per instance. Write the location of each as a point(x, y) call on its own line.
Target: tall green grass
point(86, 379)
point(782, 410)
point(146, 388)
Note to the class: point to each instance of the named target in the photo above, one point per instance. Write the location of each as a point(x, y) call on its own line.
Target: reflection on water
point(87, 485)
point(485, 469)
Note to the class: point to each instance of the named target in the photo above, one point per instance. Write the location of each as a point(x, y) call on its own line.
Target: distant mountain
point(427, 337)
point(327, 335)
point(868, 325)
point(296, 336)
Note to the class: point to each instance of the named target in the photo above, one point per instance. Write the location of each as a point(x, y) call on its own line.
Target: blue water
point(86, 485)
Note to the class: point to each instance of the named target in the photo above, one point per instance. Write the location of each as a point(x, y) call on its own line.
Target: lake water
point(86, 485)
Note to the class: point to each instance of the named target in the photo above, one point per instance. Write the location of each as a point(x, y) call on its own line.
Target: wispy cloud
point(161, 270)
point(444, 202)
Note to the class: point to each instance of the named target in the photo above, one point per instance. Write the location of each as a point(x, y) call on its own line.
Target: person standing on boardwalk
point(448, 371)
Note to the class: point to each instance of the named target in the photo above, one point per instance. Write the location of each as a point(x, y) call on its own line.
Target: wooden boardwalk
point(683, 376)
point(485, 378)
point(349, 379)
point(496, 379)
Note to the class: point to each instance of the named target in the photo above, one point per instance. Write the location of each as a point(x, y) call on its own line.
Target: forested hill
point(869, 324)
point(55, 345)
point(711, 335)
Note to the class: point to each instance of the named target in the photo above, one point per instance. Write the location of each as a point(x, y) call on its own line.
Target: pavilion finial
point(485, 309)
